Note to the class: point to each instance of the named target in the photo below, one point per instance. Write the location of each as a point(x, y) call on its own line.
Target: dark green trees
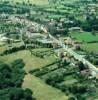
point(11, 78)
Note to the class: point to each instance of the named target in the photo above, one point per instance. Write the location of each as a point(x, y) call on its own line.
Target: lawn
point(84, 36)
point(90, 47)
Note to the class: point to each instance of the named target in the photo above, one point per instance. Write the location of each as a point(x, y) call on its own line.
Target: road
point(94, 70)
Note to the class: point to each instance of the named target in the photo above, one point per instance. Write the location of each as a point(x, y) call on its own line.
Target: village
point(55, 50)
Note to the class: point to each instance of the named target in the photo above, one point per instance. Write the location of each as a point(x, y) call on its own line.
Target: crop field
point(85, 36)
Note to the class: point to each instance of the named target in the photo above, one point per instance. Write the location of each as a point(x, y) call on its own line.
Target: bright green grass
point(69, 1)
point(85, 36)
point(90, 47)
point(37, 2)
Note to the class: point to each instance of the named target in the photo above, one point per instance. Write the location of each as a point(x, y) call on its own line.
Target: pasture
point(84, 36)
point(37, 2)
point(40, 89)
point(90, 47)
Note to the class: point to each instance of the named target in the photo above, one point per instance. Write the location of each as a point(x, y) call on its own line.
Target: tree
point(16, 94)
point(86, 26)
point(72, 98)
point(11, 78)
point(81, 66)
point(95, 1)
point(28, 94)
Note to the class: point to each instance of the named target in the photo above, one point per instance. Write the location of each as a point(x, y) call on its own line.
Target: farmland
point(37, 2)
point(85, 36)
point(48, 50)
point(90, 47)
point(26, 56)
point(41, 90)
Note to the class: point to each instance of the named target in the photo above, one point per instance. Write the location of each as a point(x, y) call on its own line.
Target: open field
point(57, 73)
point(84, 36)
point(69, 1)
point(41, 90)
point(90, 47)
point(37, 2)
point(31, 62)
point(5, 46)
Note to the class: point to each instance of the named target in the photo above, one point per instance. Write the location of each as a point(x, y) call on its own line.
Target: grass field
point(37, 2)
point(5, 46)
point(40, 89)
point(84, 36)
point(90, 47)
point(30, 61)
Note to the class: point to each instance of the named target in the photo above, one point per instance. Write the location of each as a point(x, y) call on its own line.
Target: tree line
point(11, 79)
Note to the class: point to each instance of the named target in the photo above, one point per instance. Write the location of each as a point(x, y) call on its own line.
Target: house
point(68, 41)
point(85, 72)
point(75, 29)
point(45, 42)
point(76, 47)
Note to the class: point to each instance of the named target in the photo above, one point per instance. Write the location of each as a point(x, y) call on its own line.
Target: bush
point(12, 50)
point(34, 70)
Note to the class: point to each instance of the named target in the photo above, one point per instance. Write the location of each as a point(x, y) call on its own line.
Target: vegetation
point(90, 47)
point(37, 66)
point(85, 37)
point(12, 78)
point(31, 82)
point(37, 2)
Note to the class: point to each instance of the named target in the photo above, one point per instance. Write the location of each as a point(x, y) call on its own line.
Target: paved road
point(93, 68)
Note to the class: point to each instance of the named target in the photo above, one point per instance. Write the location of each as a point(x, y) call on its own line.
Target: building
point(45, 43)
point(75, 29)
